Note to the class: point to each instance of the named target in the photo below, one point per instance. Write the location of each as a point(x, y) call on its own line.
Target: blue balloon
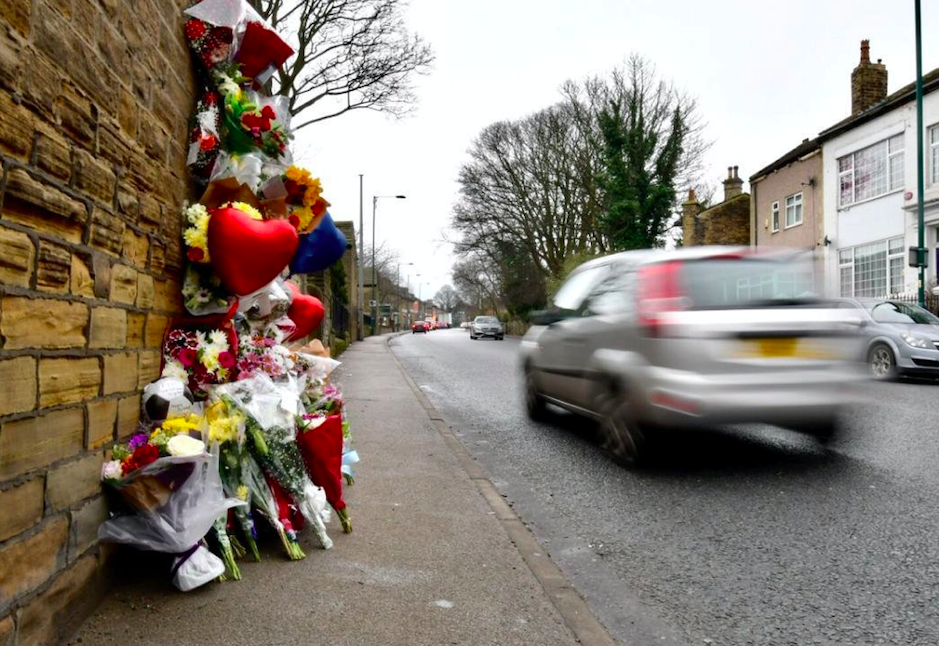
point(320, 249)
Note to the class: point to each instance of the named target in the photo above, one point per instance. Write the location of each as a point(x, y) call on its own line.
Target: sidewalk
point(430, 561)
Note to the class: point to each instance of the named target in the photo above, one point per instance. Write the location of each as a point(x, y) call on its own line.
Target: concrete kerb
point(570, 605)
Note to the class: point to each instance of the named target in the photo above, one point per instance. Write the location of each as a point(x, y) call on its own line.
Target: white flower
point(111, 470)
point(174, 368)
point(184, 446)
point(218, 339)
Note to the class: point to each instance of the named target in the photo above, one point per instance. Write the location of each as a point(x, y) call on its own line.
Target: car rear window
point(743, 282)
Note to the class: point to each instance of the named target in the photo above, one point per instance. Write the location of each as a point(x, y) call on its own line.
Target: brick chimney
point(689, 222)
point(868, 81)
point(733, 185)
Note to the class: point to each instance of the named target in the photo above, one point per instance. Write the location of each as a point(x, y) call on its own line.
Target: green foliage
point(338, 346)
point(338, 283)
point(638, 174)
point(570, 264)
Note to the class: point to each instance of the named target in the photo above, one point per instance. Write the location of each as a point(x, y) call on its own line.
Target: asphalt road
point(739, 536)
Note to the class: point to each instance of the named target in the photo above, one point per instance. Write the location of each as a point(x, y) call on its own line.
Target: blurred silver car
point(483, 326)
point(902, 338)
point(648, 340)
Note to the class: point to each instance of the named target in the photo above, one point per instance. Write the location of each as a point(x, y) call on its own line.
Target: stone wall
point(94, 103)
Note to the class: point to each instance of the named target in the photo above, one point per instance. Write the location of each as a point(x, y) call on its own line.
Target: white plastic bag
point(197, 568)
point(176, 500)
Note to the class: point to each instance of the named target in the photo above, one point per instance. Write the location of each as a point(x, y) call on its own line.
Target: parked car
point(419, 326)
point(902, 338)
point(483, 326)
point(645, 341)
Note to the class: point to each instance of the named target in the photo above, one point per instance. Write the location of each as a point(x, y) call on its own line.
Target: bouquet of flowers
point(203, 359)
point(304, 199)
point(270, 411)
point(173, 487)
point(211, 44)
point(320, 439)
point(252, 122)
point(262, 353)
point(203, 292)
point(204, 143)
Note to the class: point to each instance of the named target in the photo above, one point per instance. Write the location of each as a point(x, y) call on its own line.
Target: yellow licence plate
point(772, 348)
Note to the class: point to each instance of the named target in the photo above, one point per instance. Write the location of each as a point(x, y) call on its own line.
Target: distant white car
point(483, 326)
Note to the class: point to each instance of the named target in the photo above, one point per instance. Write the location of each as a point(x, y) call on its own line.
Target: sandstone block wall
point(95, 97)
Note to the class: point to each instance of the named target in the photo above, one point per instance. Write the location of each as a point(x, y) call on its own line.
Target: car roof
point(653, 256)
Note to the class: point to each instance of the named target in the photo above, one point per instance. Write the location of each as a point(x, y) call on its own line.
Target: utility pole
point(920, 173)
point(361, 308)
point(375, 199)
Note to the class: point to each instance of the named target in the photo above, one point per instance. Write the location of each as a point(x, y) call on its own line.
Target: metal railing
point(341, 319)
point(932, 301)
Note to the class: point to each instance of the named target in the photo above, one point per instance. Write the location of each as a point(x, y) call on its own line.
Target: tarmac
point(436, 556)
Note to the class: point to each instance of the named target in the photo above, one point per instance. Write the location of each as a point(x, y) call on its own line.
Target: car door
point(561, 344)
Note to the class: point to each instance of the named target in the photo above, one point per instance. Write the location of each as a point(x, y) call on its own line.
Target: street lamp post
point(920, 154)
point(375, 199)
point(360, 333)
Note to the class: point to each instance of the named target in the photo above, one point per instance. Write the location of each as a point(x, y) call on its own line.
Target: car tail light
point(659, 293)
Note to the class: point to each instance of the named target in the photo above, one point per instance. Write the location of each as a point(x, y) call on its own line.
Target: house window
point(934, 154)
point(775, 217)
point(794, 210)
point(873, 270)
point(871, 172)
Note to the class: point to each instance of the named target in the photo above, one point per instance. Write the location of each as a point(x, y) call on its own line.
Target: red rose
point(319, 207)
point(268, 112)
point(195, 29)
point(207, 143)
point(294, 220)
point(250, 121)
point(141, 457)
point(195, 254)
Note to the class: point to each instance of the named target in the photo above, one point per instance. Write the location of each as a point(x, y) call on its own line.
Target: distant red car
point(420, 326)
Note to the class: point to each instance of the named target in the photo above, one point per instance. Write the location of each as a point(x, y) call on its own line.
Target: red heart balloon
point(305, 311)
point(247, 254)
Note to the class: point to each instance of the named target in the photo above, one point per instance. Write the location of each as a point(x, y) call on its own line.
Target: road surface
point(740, 536)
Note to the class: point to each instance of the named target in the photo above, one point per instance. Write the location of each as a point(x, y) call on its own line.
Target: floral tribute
point(259, 447)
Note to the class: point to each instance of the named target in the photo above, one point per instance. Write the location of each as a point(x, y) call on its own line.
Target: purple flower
point(137, 440)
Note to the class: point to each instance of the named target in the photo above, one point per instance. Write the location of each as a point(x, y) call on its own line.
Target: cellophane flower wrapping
point(175, 501)
point(204, 137)
point(203, 358)
point(254, 123)
point(203, 292)
point(271, 410)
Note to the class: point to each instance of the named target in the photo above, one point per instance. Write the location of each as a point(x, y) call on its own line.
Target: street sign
point(913, 258)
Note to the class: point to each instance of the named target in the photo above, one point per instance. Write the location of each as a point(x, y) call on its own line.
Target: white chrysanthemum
point(218, 339)
point(175, 369)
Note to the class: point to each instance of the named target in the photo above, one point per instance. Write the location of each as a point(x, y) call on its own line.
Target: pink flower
point(226, 360)
point(187, 357)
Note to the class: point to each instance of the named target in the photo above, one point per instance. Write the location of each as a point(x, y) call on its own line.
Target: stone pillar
point(689, 213)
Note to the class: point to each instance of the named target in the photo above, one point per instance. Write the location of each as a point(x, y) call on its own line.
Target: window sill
point(793, 226)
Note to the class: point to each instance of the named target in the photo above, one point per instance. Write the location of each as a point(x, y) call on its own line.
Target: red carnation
point(195, 29)
point(195, 254)
point(141, 457)
point(187, 357)
point(208, 143)
point(226, 359)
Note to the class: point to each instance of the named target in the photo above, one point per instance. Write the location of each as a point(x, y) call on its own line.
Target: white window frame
point(933, 141)
point(797, 208)
point(775, 217)
point(893, 147)
point(846, 259)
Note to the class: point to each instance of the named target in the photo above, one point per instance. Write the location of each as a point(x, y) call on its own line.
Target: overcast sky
point(766, 75)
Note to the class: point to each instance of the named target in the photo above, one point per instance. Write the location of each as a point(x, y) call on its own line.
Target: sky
point(766, 75)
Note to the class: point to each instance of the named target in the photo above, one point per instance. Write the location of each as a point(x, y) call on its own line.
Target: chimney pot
point(865, 51)
point(733, 185)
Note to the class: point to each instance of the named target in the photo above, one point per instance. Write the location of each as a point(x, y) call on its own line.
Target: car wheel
point(535, 404)
point(881, 362)
point(623, 437)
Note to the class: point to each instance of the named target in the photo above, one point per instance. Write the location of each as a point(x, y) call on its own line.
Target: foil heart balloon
point(247, 254)
point(320, 249)
point(305, 311)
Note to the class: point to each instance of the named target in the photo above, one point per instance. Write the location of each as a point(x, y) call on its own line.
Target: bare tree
point(446, 298)
point(350, 55)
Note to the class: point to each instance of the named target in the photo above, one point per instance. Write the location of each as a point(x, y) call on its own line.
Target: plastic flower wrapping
point(258, 444)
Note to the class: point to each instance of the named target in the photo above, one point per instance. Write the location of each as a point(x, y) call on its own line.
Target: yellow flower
point(181, 424)
point(305, 217)
point(297, 174)
point(252, 212)
point(242, 492)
